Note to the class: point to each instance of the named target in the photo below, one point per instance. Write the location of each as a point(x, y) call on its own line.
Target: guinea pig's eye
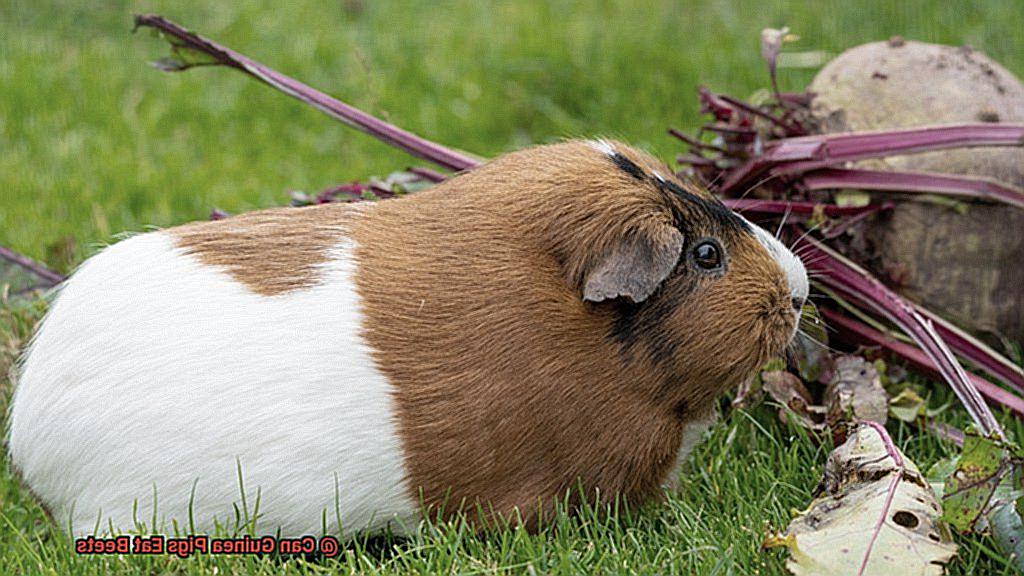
point(707, 255)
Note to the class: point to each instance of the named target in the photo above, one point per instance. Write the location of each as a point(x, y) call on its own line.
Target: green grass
point(94, 142)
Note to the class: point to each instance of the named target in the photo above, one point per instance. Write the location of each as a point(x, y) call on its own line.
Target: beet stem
point(916, 182)
point(856, 332)
point(847, 278)
point(52, 277)
point(350, 115)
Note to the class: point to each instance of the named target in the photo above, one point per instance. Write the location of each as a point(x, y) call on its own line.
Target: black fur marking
point(624, 330)
point(710, 207)
point(714, 209)
point(645, 323)
point(628, 166)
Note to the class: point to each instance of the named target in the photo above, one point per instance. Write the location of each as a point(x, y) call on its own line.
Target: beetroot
point(963, 261)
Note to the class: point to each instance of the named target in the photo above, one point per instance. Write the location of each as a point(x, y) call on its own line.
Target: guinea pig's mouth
point(792, 268)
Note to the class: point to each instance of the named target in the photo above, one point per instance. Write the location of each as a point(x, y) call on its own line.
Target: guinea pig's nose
point(798, 304)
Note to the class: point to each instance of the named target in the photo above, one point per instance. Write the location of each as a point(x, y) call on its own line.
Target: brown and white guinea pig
point(562, 314)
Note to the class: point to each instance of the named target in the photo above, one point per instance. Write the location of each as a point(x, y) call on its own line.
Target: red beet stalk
point(854, 332)
point(847, 278)
point(389, 133)
point(915, 182)
point(50, 277)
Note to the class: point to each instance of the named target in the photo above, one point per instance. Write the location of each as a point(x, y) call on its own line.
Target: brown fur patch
point(269, 251)
point(509, 387)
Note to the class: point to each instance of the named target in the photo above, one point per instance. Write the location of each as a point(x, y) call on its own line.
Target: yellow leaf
point(878, 516)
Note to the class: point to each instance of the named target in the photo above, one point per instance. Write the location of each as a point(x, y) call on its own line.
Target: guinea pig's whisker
point(789, 353)
point(757, 185)
point(825, 325)
point(794, 245)
point(716, 179)
point(807, 322)
point(816, 311)
point(782, 223)
point(818, 342)
point(813, 261)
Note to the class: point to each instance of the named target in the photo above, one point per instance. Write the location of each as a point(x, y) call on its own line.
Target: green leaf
point(969, 488)
point(908, 406)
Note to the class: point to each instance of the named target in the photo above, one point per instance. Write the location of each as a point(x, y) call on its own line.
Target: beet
point(963, 261)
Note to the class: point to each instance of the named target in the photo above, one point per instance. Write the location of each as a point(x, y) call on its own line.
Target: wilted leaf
point(169, 64)
point(980, 469)
point(182, 56)
point(747, 389)
point(1005, 523)
point(856, 392)
point(771, 44)
point(786, 389)
point(908, 406)
point(403, 182)
point(878, 516)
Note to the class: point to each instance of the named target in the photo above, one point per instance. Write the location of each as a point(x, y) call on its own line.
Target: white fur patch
point(154, 373)
point(796, 274)
point(693, 434)
point(603, 146)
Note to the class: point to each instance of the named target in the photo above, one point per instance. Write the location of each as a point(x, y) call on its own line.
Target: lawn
point(94, 142)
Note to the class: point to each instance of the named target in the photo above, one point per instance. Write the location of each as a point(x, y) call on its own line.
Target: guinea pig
point(558, 321)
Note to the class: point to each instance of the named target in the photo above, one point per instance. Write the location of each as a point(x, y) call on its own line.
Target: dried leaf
point(786, 389)
point(856, 392)
point(747, 390)
point(878, 516)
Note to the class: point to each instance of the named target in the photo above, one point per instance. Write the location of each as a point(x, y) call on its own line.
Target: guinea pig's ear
point(635, 266)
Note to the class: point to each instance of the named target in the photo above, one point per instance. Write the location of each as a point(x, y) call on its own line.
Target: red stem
point(828, 149)
point(796, 156)
point(894, 453)
point(428, 174)
point(977, 352)
point(779, 207)
point(854, 332)
point(847, 278)
point(915, 182)
point(388, 133)
point(788, 129)
point(50, 276)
